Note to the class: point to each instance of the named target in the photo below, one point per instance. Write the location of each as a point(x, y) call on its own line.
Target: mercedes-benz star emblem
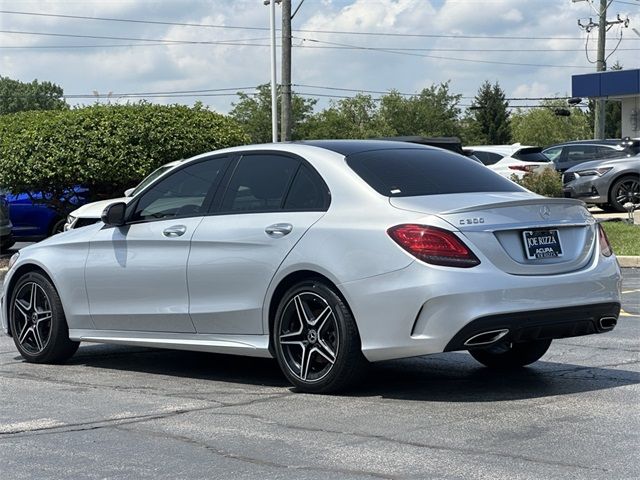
point(545, 212)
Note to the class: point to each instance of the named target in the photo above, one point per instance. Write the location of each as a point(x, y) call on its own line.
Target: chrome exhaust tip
point(607, 323)
point(485, 338)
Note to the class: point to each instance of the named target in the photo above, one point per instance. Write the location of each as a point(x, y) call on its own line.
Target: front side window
point(581, 153)
point(259, 183)
point(182, 193)
point(158, 172)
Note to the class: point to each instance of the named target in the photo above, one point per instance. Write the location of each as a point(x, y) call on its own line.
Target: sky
point(531, 47)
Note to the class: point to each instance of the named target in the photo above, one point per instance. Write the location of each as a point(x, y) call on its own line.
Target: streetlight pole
point(600, 67)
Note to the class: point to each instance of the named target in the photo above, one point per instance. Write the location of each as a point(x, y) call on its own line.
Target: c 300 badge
point(471, 221)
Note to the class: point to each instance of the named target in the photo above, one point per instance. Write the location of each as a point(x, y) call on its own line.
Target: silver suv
point(609, 184)
point(5, 225)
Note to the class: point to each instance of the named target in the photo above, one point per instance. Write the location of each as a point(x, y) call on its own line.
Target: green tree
point(487, 120)
point(541, 126)
point(253, 112)
point(356, 117)
point(107, 148)
point(433, 112)
point(16, 96)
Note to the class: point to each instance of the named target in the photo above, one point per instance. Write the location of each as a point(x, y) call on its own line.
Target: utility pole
point(274, 80)
point(598, 127)
point(285, 107)
point(601, 60)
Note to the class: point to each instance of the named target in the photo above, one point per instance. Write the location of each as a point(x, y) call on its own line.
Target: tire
point(605, 207)
point(625, 189)
point(511, 355)
point(37, 320)
point(4, 247)
point(57, 226)
point(316, 339)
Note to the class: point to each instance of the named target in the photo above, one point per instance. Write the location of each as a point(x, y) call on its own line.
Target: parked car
point(513, 159)
point(609, 184)
point(6, 239)
point(90, 213)
point(34, 218)
point(453, 144)
point(570, 154)
point(325, 255)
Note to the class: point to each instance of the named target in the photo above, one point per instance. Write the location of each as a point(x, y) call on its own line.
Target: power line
point(105, 37)
point(333, 44)
point(333, 32)
point(472, 60)
point(343, 89)
point(403, 49)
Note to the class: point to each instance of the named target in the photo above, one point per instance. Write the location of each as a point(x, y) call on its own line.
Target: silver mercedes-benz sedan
point(324, 255)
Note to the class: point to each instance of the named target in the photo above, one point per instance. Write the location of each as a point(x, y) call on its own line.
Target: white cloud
point(190, 67)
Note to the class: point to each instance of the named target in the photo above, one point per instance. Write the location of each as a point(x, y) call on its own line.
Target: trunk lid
point(495, 224)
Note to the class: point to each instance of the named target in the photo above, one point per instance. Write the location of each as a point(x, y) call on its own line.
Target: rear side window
point(488, 158)
point(533, 154)
point(554, 153)
point(408, 173)
point(259, 183)
point(308, 192)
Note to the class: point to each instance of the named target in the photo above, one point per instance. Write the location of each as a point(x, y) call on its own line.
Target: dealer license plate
point(542, 244)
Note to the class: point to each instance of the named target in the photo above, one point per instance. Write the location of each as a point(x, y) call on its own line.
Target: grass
point(624, 238)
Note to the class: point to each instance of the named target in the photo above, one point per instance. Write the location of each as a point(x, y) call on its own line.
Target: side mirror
point(128, 192)
point(113, 215)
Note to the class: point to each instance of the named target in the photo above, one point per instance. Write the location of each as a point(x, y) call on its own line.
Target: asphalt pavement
point(133, 413)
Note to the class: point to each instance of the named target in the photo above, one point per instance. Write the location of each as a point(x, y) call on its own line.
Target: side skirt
point(248, 345)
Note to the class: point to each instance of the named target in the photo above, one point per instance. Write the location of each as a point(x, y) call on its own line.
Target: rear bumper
point(419, 310)
point(537, 325)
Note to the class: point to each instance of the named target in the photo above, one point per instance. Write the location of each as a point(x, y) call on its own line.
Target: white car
point(325, 255)
point(90, 213)
point(513, 159)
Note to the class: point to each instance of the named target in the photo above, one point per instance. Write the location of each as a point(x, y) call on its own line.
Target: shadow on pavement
point(449, 377)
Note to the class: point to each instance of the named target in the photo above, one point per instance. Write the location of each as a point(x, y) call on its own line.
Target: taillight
point(605, 246)
point(433, 245)
point(523, 168)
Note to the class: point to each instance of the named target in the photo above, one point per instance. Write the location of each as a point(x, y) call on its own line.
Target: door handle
point(278, 230)
point(174, 231)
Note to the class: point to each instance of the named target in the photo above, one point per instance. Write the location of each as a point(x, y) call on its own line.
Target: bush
point(107, 148)
point(547, 182)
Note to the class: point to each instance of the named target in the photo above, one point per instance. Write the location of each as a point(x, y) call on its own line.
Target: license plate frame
point(542, 243)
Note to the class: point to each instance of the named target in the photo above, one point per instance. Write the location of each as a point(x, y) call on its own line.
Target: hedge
point(107, 148)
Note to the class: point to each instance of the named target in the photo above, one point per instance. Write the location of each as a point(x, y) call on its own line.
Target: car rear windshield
point(410, 173)
point(531, 155)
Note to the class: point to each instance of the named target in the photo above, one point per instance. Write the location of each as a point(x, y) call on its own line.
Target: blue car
point(33, 219)
point(5, 224)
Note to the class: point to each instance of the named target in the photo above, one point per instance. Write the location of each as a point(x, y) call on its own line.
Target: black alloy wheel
point(624, 190)
point(38, 325)
point(316, 339)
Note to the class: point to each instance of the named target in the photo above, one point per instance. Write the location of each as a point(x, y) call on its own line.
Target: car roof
point(507, 150)
point(350, 147)
point(603, 143)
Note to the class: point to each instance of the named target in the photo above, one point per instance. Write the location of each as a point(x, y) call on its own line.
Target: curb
point(628, 261)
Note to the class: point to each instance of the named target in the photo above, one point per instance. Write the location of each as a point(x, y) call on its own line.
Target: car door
point(269, 203)
point(136, 274)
